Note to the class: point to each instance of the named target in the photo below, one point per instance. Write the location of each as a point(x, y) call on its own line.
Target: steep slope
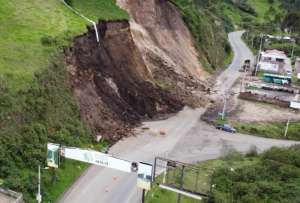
point(163, 38)
point(113, 86)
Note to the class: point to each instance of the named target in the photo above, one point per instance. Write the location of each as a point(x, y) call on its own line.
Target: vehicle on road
point(246, 66)
point(226, 127)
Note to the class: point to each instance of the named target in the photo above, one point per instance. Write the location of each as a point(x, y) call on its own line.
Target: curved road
point(187, 139)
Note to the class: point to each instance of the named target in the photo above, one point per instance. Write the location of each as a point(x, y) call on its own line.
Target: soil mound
point(121, 80)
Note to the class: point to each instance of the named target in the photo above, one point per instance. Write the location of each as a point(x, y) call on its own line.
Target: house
point(274, 61)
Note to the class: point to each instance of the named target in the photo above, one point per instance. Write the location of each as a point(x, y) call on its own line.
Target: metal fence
point(180, 176)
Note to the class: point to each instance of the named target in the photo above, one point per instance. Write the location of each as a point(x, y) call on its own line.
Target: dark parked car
point(226, 127)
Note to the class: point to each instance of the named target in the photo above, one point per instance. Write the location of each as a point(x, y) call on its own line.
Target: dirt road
point(186, 139)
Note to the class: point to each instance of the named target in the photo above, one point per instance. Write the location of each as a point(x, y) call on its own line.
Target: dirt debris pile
point(116, 86)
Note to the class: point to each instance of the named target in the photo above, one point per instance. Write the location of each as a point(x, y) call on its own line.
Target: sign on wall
point(98, 158)
point(144, 176)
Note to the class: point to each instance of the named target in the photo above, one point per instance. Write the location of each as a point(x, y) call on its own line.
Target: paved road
point(241, 52)
point(187, 139)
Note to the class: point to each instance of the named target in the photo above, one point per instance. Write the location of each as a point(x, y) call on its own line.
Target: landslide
point(188, 35)
point(163, 38)
point(113, 86)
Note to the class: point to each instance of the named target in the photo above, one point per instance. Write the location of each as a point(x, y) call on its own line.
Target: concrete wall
point(11, 196)
point(262, 98)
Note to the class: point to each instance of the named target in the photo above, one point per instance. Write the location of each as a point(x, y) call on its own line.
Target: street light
point(39, 195)
point(224, 106)
point(287, 127)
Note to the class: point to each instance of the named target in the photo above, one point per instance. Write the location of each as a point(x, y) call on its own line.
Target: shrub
point(48, 40)
point(69, 2)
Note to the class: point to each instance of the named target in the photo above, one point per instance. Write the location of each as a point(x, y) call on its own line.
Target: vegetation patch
point(100, 9)
point(206, 169)
point(270, 130)
point(209, 28)
point(272, 176)
point(36, 103)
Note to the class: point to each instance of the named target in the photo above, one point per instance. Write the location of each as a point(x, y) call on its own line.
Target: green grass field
point(269, 130)
point(67, 174)
point(100, 9)
point(262, 7)
point(24, 23)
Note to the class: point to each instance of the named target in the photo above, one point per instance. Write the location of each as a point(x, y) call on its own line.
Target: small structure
point(274, 61)
point(277, 79)
point(295, 104)
point(9, 196)
point(297, 67)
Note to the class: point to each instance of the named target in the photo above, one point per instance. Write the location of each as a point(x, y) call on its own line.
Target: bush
point(45, 112)
point(48, 40)
point(274, 178)
point(69, 2)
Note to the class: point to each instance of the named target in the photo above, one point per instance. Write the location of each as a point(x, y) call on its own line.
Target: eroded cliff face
point(121, 80)
point(161, 34)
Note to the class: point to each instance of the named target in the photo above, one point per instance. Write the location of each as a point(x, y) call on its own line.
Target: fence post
point(181, 183)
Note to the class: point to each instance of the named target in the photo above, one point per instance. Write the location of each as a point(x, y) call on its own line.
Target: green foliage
point(270, 130)
point(208, 25)
point(36, 103)
point(286, 47)
point(291, 5)
point(206, 170)
point(292, 22)
point(100, 9)
point(69, 2)
point(45, 112)
point(274, 178)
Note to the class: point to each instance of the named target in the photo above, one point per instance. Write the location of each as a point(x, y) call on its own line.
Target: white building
point(274, 61)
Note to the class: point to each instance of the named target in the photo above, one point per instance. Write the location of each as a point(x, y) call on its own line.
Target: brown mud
point(117, 85)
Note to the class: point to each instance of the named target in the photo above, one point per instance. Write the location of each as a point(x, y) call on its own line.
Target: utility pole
point(224, 107)
point(143, 197)
point(292, 56)
point(243, 80)
point(287, 127)
point(258, 56)
point(39, 196)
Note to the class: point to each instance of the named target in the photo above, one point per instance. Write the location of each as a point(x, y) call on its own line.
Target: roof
point(277, 76)
point(269, 66)
point(274, 53)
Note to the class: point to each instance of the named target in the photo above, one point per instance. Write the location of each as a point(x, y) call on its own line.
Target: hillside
point(36, 104)
point(36, 100)
point(59, 85)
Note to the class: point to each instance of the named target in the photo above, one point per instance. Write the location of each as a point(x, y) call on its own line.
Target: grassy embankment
point(270, 177)
point(36, 104)
point(270, 130)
